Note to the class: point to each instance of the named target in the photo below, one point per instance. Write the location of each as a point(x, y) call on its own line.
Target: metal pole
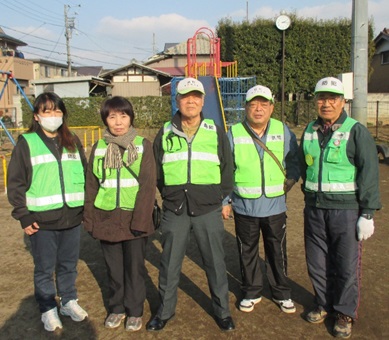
point(283, 77)
point(67, 35)
point(359, 59)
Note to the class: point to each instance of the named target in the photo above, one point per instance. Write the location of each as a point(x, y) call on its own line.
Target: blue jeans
point(55, 251)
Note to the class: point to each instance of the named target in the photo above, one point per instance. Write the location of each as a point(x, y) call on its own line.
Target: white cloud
point(167, 28)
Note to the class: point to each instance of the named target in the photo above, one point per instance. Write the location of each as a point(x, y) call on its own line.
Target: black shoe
point(226, 324)
point(157, 324)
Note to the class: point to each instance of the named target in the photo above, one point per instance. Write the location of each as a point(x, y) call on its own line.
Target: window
point(385, 57)
point(47, 71)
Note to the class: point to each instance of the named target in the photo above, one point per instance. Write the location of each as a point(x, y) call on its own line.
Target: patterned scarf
point(113, 156)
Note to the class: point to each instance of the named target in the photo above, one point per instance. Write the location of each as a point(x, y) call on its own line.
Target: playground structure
point(9, 76)
point(225, 93)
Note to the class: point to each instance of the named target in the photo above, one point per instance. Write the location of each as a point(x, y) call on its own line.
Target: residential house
point(14, 70)
point(379, 80)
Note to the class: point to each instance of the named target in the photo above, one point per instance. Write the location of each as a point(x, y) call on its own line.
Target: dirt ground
point(20, 318)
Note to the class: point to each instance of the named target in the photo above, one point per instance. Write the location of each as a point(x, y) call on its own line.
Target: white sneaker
point(247, 305)
point(73, 309)
point(51, 320)
point(133, 323)
point(287, 306)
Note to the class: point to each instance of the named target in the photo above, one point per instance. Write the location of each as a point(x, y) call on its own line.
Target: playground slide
point(213, 105)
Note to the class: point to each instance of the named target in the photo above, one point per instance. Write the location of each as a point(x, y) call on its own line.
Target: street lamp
point(283, 22)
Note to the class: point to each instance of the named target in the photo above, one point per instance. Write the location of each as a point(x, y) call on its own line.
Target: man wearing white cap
point(266, 167)
point(194, 174)
point(340, 184)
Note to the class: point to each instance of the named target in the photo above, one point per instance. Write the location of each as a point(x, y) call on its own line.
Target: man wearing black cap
point(340, 184)
point(194, 174)
point(266, 168)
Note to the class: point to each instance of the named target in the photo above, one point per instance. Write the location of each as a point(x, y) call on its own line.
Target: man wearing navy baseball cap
point(341, 189)
point(266, 168)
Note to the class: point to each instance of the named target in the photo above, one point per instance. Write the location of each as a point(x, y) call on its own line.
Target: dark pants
point(55, 251)
point(248, 230)
point(333, 258)
point(126, 275)
point(209, 232)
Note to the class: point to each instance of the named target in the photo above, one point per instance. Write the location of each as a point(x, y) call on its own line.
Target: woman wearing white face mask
point(46, 179)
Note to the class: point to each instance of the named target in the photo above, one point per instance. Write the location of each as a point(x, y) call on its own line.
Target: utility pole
point(359, 59)
point(69, 26)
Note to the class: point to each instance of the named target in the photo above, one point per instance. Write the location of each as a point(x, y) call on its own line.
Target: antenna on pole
point(69, 26)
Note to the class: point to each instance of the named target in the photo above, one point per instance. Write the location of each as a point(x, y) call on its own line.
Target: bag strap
point(264, 147)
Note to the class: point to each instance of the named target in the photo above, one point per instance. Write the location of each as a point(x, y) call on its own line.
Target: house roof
point(78, 79)
point(8, 38)
point(48, 62)
point(89, 70)
point(381, 41)
point(134, 65)
point(203, 47)
point(383, 35)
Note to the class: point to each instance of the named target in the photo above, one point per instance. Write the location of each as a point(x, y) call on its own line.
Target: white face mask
point(50, 124)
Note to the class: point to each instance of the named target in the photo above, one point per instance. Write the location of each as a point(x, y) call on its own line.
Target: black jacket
point(19, 181)
point(195, 199)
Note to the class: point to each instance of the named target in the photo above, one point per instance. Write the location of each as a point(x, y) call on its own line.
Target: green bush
point(150, 112)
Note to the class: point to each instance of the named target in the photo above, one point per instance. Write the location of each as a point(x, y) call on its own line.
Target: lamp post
point(283, 22)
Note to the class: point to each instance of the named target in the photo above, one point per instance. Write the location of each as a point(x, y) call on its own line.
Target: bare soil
point(20, 318)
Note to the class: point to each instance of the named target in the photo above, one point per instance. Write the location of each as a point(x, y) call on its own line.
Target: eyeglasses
point(330, 100)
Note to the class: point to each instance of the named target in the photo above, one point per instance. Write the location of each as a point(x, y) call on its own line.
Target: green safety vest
point(253, 178)
point(329, 170)
point(197, 162)
point(118, 187)
point(46, 191)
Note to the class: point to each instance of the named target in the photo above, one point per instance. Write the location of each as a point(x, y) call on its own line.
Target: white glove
point(365, 228)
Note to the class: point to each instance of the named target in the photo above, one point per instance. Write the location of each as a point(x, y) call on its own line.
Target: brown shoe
point(318, 315)
point(343, 326)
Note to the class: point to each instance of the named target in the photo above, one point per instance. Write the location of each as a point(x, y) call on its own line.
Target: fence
point(87, 134)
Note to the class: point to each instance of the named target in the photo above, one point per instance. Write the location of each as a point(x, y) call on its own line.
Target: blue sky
point(113, 33)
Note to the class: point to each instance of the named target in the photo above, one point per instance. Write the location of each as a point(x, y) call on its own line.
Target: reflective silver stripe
point(100, 152)
point(42, 201)
point(42, 159)
point(204, 156)
point(54, 199)
point(274, 188)
point(139, 148)
point(310, 136)
point(124, 183)
point(76, 196)
point(248, 191)
point(331, 187)
point(243, 140)
point(275, 137)
point(173, 157)
point(49, 158)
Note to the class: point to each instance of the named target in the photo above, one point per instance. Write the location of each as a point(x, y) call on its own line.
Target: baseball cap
point(259, 91)
point(329, 84)
point(188, 85)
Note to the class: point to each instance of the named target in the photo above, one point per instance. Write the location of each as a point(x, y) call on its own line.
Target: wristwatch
point(367, 216)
